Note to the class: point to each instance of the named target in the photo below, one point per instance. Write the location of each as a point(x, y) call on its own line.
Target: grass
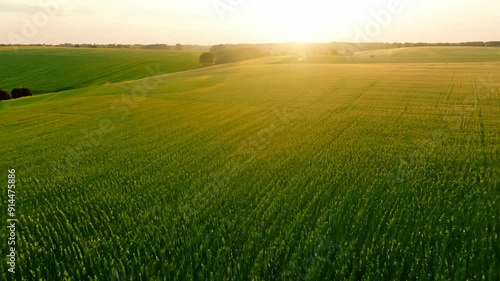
point(436, 54)
point(262, 171)
point(47, 70)
point(417, 55)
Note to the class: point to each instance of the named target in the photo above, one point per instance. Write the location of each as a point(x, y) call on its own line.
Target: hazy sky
point(247, 21)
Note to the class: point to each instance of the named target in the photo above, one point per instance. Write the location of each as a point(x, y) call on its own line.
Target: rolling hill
point(51, 69)
point(261, 170)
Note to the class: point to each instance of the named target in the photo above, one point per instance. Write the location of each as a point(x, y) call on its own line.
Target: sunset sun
point(250, 139)
point(302, 22)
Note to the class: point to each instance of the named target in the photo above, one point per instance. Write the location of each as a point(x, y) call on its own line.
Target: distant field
point(417, 55)
point(262, 171)
point(46, 70)
point(434, 54)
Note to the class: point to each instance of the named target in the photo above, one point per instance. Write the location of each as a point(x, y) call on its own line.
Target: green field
point(261, 170)
point(46, 70)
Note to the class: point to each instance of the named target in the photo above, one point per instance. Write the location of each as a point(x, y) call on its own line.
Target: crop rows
point(58, 69)
point(382, 172)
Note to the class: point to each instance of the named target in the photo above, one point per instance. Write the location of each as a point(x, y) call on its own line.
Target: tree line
point(177, 47)
point(15, 93)
point(227, 53)
point(220, 54)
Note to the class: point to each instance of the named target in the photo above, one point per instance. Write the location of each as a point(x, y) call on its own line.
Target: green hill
point(261, 171)
point(46, 70)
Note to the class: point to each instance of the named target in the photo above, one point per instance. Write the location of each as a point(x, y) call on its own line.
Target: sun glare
point(299, 30)
point(304, 22)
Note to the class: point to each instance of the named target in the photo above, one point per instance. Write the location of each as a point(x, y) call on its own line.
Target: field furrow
point(259, 171)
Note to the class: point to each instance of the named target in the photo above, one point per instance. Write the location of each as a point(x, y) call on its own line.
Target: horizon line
point(261, 43)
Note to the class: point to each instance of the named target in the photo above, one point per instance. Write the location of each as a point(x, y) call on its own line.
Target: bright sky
point(247, 21)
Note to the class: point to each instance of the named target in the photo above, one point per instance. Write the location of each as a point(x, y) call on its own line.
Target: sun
point(300, 21)
point(299, 31)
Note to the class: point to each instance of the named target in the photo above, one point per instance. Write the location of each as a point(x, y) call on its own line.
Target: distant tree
point(207, 58)
point(178, 47)
point(334, 52)
point(493, 44)
point(21, 92)
point(4, 95)
point(473, 44)
point(155, 47)
point(235, 55)
point(217, 48)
